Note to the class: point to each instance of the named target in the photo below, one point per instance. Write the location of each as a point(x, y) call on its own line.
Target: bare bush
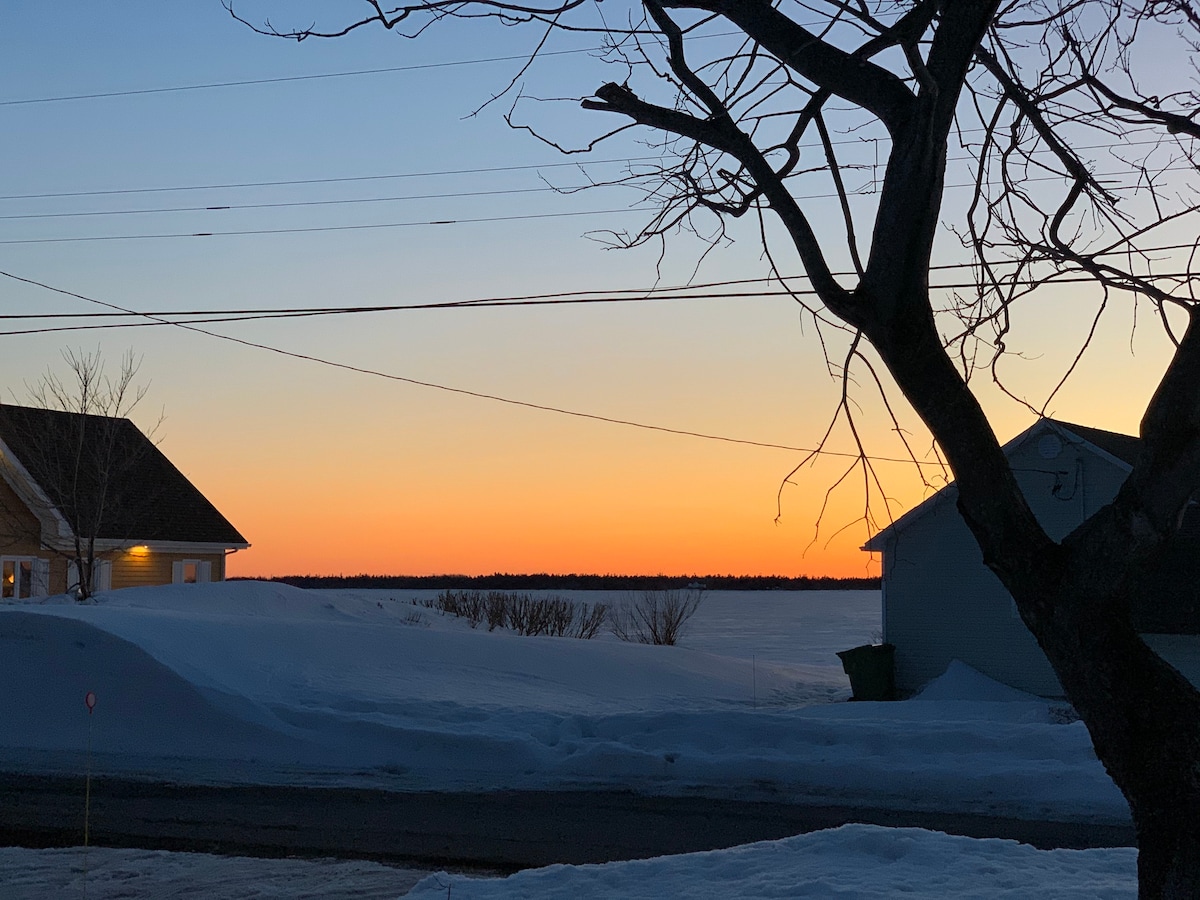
point(497, 609)
point(469, 605)
point(523, 613)
point(655, 617)
point(589, 620)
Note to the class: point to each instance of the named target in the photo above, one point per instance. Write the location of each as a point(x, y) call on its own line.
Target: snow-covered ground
point(372, 688)
point(854, 862)
point(265, 683)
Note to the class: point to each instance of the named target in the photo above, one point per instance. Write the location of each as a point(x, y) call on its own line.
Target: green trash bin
point(872, 671)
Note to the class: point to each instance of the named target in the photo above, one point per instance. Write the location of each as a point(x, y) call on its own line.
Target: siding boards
point(943, 604)
point(144, 569)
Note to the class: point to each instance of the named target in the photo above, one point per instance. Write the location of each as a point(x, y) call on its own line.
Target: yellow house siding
point(137, 568)
point(144, 568)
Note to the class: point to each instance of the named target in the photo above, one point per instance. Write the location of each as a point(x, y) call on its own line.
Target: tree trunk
point(1144, 720)
point(1075, 597)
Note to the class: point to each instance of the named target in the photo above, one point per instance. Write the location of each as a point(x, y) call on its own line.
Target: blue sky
point(327, 470)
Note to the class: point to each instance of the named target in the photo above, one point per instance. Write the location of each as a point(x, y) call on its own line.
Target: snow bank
point(113, 874)
point(854, 861)
point(367, 688)
point(961, 682)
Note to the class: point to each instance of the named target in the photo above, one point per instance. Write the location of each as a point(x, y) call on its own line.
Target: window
point(101, 575)
point(191, 571)
point(23, 576)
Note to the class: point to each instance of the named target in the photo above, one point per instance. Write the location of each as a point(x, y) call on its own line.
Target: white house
point(940, 602)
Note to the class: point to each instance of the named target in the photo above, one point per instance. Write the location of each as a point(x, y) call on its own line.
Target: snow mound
point(378, 690)
point(859, 861)
point(961, 682)
point(143, 707)
point(104, 873)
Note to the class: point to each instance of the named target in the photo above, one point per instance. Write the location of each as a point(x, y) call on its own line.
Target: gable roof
point(149, 500)
point(1124, 447)
point(1121, 449)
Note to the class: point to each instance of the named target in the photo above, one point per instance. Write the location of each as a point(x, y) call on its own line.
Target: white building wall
point(944, 604)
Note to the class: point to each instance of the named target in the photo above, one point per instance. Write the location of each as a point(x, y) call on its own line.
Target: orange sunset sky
point(331, 184)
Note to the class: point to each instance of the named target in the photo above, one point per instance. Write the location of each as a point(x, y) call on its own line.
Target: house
point(940, 602)
point(66, 476)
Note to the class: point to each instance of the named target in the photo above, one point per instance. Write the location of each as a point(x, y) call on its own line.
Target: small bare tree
point(83, 464)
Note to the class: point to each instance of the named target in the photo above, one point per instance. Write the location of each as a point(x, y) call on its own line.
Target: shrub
point(524, 613)
point(469, 605)
point(589, 620)
point(655, 617)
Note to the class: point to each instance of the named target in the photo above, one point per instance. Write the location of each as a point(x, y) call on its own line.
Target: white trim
point(101, 575)
point(41, 577)
point(201, 571)
point(1072, 438)
point(185, 546)
point(22, 588)
point(107, 545)
point(33, 496)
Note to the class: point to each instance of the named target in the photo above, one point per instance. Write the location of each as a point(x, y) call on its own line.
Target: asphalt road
point(502, 830)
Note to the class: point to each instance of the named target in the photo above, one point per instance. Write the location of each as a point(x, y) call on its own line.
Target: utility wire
point(580, 164)
point(337, 180)
point(422, 224)
point(315, 228)
point(412, 67)
point(712, 290)
point(295, 203)
point(448, 195)
point(245, 82)
point(215, 316)
point(689, 291)
point(469, 393)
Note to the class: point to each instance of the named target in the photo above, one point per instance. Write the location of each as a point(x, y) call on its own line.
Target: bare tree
point(1074, 126)
point(83, 457)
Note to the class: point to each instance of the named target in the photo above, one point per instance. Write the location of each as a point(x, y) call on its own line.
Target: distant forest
point(544, 581)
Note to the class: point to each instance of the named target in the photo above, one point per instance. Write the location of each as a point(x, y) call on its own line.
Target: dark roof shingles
point(1123, 446)
point(151, 499)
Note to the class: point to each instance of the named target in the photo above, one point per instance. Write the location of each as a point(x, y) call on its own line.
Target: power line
point(338, 180)
point(245, 82)
point(864, 192)
point(293, 203)
point(315, 228)
point(711, 290)
point(282, 79)
point(296, 182)
point(218, 316)
point(469, 393)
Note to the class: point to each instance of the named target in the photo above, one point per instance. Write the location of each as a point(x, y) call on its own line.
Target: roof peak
point(1124, 447)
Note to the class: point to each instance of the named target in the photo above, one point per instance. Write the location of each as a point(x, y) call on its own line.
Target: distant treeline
point(543, 581)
